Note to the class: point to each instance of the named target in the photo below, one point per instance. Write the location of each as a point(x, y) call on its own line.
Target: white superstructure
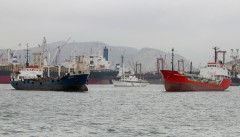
point(214, 71)
point(97, 62)
point(130, 81)
point(29, 73)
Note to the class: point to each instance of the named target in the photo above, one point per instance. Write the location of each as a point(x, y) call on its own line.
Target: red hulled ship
point(213, 77)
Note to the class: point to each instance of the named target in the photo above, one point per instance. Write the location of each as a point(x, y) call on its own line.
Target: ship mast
point(191, 67)
point(160, 64)
point(27, 63)
point(8, 55)
point(223, 54)
point(181, 65)
point(123, 74)
point(41, 62)
point(122, 66)
point(138, 70)
point(215, 55)
point(172, 58)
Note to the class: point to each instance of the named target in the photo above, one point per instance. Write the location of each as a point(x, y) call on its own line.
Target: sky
point(191, 27)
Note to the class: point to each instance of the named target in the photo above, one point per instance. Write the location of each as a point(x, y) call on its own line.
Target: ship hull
point(117, 83)
point(174, 81)
point(4, 79)
point(5, 76)
point(151, 78)
point(102, 77)
point(235, 81)
point(65, 83)
point(154, 81)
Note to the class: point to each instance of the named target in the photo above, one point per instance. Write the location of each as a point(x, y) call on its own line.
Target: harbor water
point(108, 111)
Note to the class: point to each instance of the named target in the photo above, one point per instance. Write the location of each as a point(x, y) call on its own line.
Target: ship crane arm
point(55, 58)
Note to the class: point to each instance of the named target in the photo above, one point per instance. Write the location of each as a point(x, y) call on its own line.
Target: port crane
point(55, 58)
point(9, 55)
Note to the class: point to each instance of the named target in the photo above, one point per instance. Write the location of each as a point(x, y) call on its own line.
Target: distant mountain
point(146, 56)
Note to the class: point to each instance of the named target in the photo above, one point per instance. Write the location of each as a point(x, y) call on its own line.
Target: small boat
point(213, 77)
point(130, 81)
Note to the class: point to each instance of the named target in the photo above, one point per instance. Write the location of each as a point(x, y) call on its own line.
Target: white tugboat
point(129, 81)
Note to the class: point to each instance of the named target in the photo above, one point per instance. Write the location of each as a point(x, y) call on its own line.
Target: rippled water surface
point(107, 111)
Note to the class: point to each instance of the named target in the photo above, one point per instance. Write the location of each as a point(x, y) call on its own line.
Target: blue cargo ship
point(31, 78)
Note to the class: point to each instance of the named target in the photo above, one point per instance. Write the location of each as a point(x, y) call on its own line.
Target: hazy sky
point(192, 27)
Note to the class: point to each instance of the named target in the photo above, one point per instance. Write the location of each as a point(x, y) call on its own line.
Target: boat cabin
point(214, 70)
point(30, 72)
point(214, 65)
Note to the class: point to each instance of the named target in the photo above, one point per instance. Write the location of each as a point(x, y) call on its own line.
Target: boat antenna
point(172, 58)
point(27, 63)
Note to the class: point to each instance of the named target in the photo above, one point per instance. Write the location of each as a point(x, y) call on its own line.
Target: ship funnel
point(14, 59)
point(105, 53)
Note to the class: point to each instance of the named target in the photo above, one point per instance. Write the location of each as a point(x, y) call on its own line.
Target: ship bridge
point(214, 69)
